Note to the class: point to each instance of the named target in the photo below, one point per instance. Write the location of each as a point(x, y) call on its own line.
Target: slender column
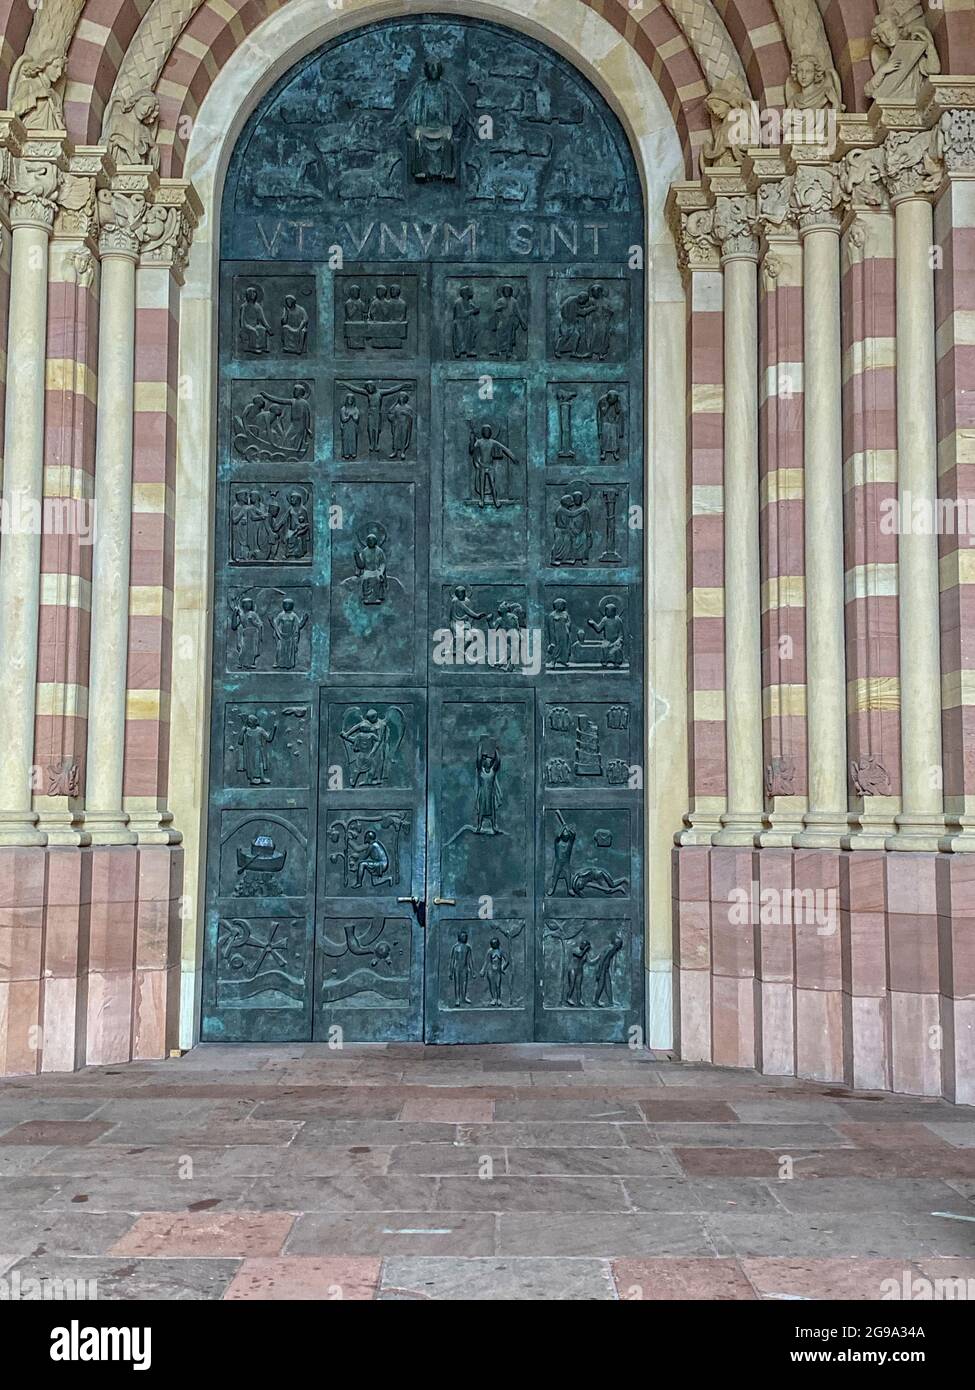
point(921, 820)
point(825, 822)
point(119, 246)
point(159, 277)
point(782, 504)
point(734, 229)
point(37, 175)
point(870, 464)
point(954, 226)
point(72, 328)
point(699, 260)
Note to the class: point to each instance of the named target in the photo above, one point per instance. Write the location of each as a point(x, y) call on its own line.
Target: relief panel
point(586, 744)
point(586, 964)
point(263, 855)
point(364, 962)
point(274, 316)
point(273, 421)
point(588, 423)
point(375, 419)
point(261, 962)
point(484, 473)
point(482, 964)
point(268, 629)
point(266, 745)
point(587, 627)
point(373, 587)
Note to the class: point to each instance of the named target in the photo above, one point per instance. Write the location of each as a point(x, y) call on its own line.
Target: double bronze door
point(426, 759)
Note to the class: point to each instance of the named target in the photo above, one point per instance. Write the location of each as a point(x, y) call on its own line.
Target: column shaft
point(743, 637)
point(104, 816)
point(825, 821)
point(20, 552)
point(921, 819)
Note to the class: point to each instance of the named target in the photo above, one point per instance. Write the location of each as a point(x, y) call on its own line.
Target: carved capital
point(774, 208)
point(77, 214)
point(691, 218)
point(735, 227)
point(171, 218)
point(912, 167)
point(956, 140)
point(861, 178)
point(122, 210)
point(816, 197)
point(35, 180)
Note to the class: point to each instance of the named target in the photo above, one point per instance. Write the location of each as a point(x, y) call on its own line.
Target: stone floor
point(476, 1172)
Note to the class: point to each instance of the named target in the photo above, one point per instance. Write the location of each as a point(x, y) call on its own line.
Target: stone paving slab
point(407, 1172)
point(503, 1280)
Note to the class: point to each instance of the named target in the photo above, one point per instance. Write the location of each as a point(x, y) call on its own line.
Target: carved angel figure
point(132, 129)
point(36, 87)
point(811, 85)
point(723, 104)
point(903, 53)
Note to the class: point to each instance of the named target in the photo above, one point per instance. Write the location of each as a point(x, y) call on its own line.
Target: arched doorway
point(426, 782)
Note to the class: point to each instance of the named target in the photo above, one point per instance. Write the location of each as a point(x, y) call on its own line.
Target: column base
point(19, 828)
point(960, 838)
point(155, 829)
point(65, 829)
point(109, 828)
point(700, 827)
point(780, 831)
point(916, 833)
point(739, 828)
point(822, 830)
point(867, 832)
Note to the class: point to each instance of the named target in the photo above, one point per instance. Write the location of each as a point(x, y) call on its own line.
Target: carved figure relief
point(371, 740)
point(470, 620)
point(587, 741)
point(266, 629)
point(593, 877)
point(585, 973)
point(131, 128)
point(381, 321)
point(491, 464)
point(492, 324)
point(611, 426)
point(870, 777)
point(565, 396)
point(266, 745)
point(586, 322)
point(389, 414)
point(272, 314)
point(36, 84)
point(585, 526)
point(434, 115)
point(490, 967)
point(270, 525)
point(272, 428)
point(903, 53)
point(603, 641)
point(369, 557)
point(368, 861)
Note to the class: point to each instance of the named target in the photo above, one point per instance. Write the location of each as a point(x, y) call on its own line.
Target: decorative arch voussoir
point(848, 24)
point(755, 31)
point(104, 32)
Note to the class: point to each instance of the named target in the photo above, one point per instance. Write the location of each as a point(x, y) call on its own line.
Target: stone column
point(734, 227)
point(816, 198)
point(781, 503)
point(912, 174)
point(36, 177)
point(121, 218)
point(698, 256)
point(72, 331)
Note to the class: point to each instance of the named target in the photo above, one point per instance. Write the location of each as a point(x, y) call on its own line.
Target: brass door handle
point(445, 902)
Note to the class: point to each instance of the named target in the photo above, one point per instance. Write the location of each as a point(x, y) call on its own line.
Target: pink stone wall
point(857, 968)
point(89, 955)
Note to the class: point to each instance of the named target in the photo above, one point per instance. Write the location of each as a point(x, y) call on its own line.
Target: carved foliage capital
point(735, 226)
point(816, 196)
point(912, 166)
point(956, 140)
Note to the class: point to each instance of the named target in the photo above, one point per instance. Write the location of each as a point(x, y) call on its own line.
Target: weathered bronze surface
point(428, 737)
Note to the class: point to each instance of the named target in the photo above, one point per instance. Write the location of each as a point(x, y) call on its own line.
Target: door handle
point(445, 902)
point(419, 909)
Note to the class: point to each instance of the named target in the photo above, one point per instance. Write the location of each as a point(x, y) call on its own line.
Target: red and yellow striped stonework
point(151, 594)
point(69, 466)
point(870, 486)
point(783, 568)
point(705, 548)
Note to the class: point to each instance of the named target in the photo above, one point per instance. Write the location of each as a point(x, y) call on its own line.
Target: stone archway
point(619, 75)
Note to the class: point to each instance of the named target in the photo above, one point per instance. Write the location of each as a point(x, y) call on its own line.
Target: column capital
point(122, 206)
point(912, 165)
point(87, 171)
point(172, 217)
point(38, 164)
point(817, 196)
point(770, 179)
point(691, 215)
